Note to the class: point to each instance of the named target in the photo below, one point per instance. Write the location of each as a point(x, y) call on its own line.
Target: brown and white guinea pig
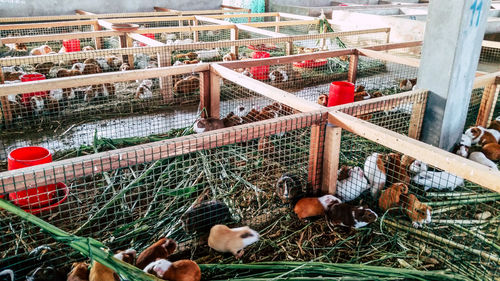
point(482, 136)
point(229, 57)
point(42, 50)
point(418, 212)
point(314, 206)
point(495, 125)
point(407, 84)
point(396, 171)
point(12, 76)
point(233, 240)
point(99, 272)
point(144, 90)
point(278, 76)
point(88, 48)
point(464, 147)
point(479, 157)
point(181, 270)
point(200, 218)
point(79, 272)
point(67, 72)
point(37, 104)
point(232, 120)
point(91, 68)
point(351, 187)
point(323, 99)
point(375, 172)
point(492, 151)
point(124, 67)
point(7, 275)
point(187, 85)
point(161, 249)
point(288, 187)
point(351, 216)
point(390, 197)
point(207, 124)
point(363, 95)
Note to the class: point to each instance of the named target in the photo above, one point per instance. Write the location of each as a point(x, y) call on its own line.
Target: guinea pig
point(144, 90)
point(362, 95)
point(351, 216)
point(278, 76)
point(314, 206)
point(479, 157)
point(7, 275)
point(232, 120)
point(45, 273)
point(407, 84)
point(37, 104)
point(224, 239)
point(202, 217)
point(91, 68)
point(161, 249)
point(181, 270)
point(99, 272)
point(207, 124)
point(229, 57)
point(124, 67)
point(67, 72)
point(438, 180)
point(289, 187)
point(187, 85)
point(323, 99)
point(42, 50)
point(495, 125)
point(418, 212)
point(390, 197)
point(88, 48)
point(492, 151)
point(412, 165)
point(375, 172)
point(396, 171)
point(482, 136)
point(79, 272)
point(351, 188)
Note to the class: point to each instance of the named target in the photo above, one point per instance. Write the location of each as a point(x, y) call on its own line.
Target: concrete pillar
point(452, 44)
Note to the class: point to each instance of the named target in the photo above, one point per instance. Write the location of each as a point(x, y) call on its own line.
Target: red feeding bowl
point(149, 35)
point(34, 197)
point(341, 92)
point(260, 72)
point(50, 204)
point(25, 99)
point(72, 45)
point(28, 156)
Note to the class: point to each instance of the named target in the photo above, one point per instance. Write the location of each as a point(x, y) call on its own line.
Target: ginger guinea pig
point(79, 272)
point(482, 136)
point(161, 249)
point(390, 197)
point(312, 206)
point(495, 125)
point(418, 212)
point(492, 151)
point(182, 270)
point(208, 124)
point(351, 216)
point(224, 239)
point(323, 99)
point(99, 272)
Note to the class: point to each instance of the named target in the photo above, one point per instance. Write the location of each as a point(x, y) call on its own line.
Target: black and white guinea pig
point(201, 218)
point(351, 216)
point(289, 187)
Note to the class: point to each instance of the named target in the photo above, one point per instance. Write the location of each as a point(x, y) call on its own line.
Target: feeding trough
point(125, 27)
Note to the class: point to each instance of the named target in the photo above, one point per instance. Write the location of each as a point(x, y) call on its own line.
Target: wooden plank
point(6, 110)
point(66, 170)
point(488, 102)
point(247, 28)
point(277, 27)
point(212, 20)
point(146, 40)
point(205, 94)
point(182, 28)
point(161, 9)
point(215, 84)
point(353, 68)
point(166, 81)
point(277, 24)
point(265, 89)
point(98, 41)
point(331, 156)
point(196, 36)
point(234, 37)
point(388, 57)
point(150, 19)
point(315, 146)
point(46, 24)
point(91, 79)
point(59, 37)
point(390, 46)
point(429, 154)
point(417, 117)
point(245, 15)
point(287, 59)
point(491, 44)
point(485, 80)
point(297, 17)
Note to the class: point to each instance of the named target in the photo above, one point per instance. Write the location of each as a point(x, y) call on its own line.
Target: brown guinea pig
point(207, 124)
point(187, 85)
point(79, 272)
point(232, 120)
point(67, 72)
point(323, 99)
point(233, 240)
point(418, 212)
point(182, 270)
point(99, 272)
point(351, 216)
point(359, 88)
point(161, 249)
point(363, 95)
point(396, 171)
point(495, 125)
point(492, 151)
point(314, 206)
point(390, 197)
point(482, 136)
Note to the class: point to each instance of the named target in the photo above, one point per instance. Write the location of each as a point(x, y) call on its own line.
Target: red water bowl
point(37, 202)
point(149, 35)
point(25, 98)
point(260, 72)
point(341, 92)
point(28, 156)
point(72, 45)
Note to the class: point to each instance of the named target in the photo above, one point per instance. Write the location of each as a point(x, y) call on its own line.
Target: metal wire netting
point(133, 205)
point(474, 105)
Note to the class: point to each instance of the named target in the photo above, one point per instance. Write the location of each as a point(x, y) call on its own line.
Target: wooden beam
point(46, 24)
point(161, 9)
point(315, 145)
point(83, 17)
point(205, 94)
point(215, 21)
point(390, 46)
point(265, 89)
point(297, 17)
point(150, 19)
point(281, 23)
point(215, 84)
point(146, 40)
point(91, 79)
point(353, 68)
point(6, 110)
point(59, 37)
point(457, 165)
point(488, 103)
point(491, 44)
point(66, 170)
point(485, 80)
point(390, 58)
point(247, 28)
point(98, 41)
point(417, 117)
point(331, 156)
point(246, 15)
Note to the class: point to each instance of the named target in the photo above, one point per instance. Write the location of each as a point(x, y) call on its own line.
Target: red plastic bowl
point(149, 35)
point(260, 72)
point(59, 186)
point(72, 45)
point(341, 92)
point(34, 197)
point(25, 98)
point(310, 63)
point(28, 156)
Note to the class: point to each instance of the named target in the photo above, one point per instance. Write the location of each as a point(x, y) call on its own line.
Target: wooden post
point(488, 102)
point(277, 27)
point(166, 83)
point(289, 48)
point(353, 67)
point(195, 33)
point(98, 40)
point(214, 95)
point(124, 42)
point(314, 151)
point(7, 112)
point(331, 155)
point(205, 94)
point(234, 37)
point(417, 117)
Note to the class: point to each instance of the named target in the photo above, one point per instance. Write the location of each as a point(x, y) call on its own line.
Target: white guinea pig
point(479, 157)
point(374, 170)
point(351, 188)
point(438, 180)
